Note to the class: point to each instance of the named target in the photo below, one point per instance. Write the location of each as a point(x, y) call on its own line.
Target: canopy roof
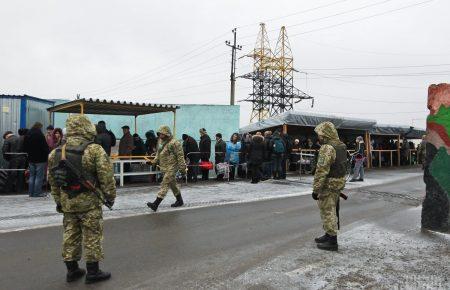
point(294, 118)
point(104, 107)
point(409, 132)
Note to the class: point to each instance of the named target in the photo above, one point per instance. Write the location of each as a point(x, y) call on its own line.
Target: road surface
point(200, 248)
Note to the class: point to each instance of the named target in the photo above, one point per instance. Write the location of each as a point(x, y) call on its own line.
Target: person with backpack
point(69, 164)
point(278, 152)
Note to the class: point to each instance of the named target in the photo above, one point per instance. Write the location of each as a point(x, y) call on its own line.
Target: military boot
point(94, 274)
point(154, 205)
point(73, 271)
point(321, 239)
point(329, 243)
point(179, 201)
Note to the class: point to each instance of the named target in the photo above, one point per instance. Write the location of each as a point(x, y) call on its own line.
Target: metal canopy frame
point(105, 107)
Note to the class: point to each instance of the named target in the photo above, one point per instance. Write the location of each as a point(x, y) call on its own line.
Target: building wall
point(189, 119)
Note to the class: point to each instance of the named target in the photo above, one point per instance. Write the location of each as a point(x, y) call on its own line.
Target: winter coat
point(233, 150)
point(36, 146)
point(191, 150)
point(170, 155)
point(150, 142)
point(12, 144)
point(139, 147)
point(221, 151)
point(205, 147)
point(126, 145)
point(268, 141)
point(257, 150)
point(103, 138)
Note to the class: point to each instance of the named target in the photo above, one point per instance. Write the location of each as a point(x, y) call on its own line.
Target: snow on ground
point(21, 212)
point(371, 256)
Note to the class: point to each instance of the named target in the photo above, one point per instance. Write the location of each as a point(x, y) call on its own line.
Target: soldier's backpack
point(68, 172)
point(278, 146)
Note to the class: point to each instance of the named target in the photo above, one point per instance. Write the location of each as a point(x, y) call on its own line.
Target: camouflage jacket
point(170, 156)
point(95, 161)
point(326, 157)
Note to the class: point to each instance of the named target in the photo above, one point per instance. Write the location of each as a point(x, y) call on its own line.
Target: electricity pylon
point(261, 76)
point(284, 93)
point(273, 78)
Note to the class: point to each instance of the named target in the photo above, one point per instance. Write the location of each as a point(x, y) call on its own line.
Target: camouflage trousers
point(169, 182)
point(83, 229)
point(327, 205)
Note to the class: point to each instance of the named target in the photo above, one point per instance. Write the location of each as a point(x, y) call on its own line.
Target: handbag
point(206, 165)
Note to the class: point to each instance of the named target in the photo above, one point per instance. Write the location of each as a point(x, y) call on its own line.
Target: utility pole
point(234, 47)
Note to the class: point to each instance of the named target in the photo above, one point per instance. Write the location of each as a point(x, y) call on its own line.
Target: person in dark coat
point(103, 137)
point(205, 149)
point(192, 156)
point(256, 155)
point(13, 153)
point(288, 142)
point(278, 152)
point(139, 147)
point(35, 145)
point(151, 142)
point(268, 163)
point(220, 152)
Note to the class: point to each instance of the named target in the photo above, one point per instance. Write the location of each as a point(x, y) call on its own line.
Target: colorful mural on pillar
point(436, 205)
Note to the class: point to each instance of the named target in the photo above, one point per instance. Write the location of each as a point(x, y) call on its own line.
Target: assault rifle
point(86, 183)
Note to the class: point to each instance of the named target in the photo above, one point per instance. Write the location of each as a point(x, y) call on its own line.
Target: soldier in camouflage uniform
point(329, 181)
point(170, 158)
point(83, 216)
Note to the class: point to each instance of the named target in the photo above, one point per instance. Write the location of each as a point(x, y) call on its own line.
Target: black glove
point(315, 196)
point(109, 203)
point(59, 208)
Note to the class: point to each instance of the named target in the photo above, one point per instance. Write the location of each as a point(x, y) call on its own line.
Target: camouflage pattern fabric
point(169, 181)
point(328, 189)
point(83, 228)
point(170, 157)
point(95, 161)
point(327, 206)
point(83, 221)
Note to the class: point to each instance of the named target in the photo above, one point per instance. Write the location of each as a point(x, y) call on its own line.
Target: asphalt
point(198, 248)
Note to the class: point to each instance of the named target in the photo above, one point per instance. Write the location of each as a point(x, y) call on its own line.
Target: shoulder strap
point(75, 149)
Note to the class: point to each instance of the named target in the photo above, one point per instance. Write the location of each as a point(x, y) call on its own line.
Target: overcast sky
point(174, 51)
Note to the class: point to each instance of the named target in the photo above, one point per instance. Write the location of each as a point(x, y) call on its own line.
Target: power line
point(170, 64)
point(375, 52)
point(367, 100)
point(129, 87)
point(293, 14)
point(328, 16)
point(436, 73)
point(377, 67)
point(369, 84)
point(362, 18)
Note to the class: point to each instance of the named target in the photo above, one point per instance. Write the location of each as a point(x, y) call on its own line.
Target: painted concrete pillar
point(436, 205)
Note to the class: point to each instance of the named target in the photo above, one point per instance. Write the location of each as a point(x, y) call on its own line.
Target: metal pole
point(234, 47)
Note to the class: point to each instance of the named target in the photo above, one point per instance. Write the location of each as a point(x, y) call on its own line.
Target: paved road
point(199, 248)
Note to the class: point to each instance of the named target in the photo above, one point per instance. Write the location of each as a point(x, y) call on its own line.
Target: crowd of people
point(262, 156)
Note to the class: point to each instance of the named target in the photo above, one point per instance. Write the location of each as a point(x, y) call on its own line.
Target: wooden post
point(135, 124)
point(398, 150)
point(379, 159)
point(81, 108)
point(369, 153)
point(284, 128)
point(392, 161)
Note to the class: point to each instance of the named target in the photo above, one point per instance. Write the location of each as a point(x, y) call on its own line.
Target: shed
point(105, 107)
point(22, 112)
